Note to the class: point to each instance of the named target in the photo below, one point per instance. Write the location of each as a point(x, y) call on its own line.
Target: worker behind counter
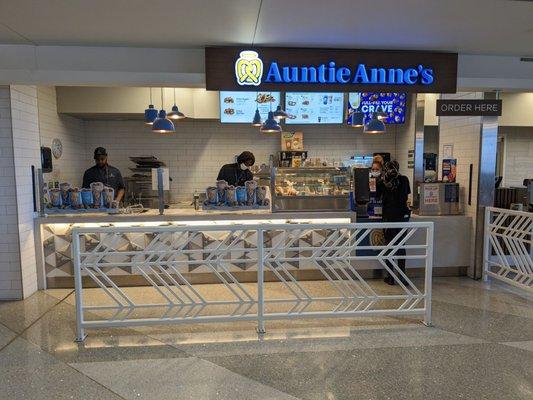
point(105, 173)
point(394, 189)
point(238, 173)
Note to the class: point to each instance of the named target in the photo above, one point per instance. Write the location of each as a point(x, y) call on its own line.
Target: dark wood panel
point(220, 68)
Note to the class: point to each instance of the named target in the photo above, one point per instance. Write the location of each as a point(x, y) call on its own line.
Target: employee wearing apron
point(238, 173)
point(105, 173)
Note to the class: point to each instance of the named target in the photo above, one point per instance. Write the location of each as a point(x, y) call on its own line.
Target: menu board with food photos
point(314, 108)
point(239, 107)
point(394, 104)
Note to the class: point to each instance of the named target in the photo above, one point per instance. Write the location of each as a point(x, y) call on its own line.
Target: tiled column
point(19, 136)
point(464, 133)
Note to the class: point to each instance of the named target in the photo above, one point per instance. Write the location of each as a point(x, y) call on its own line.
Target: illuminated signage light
point(249, 71)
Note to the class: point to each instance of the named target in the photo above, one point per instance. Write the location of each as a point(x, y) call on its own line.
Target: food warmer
point(310, 189)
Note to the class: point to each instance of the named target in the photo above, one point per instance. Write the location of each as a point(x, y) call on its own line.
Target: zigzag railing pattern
point(257, 272)
point(508, 247)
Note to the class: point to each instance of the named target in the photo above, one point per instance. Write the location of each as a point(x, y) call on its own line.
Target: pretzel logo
point(248, 68)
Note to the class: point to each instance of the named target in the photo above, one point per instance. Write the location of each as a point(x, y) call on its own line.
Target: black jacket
point(234, 175)
point(395, 201)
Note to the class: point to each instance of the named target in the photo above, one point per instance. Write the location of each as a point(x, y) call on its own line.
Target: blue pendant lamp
point(150, 114)
point(270, 125)
point(382, 115)
point(280, 114)
point(162, 124)
point(375, 125)
point(257, 119)
point(357, 118)
point(175, 113)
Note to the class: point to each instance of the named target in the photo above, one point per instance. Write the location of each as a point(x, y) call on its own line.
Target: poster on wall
point(449, 170)
point(394, 104)
point(314, 108)
point(239, 107)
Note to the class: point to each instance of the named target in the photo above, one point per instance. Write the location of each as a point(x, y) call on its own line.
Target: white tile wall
point(25, 128)
point(405, 141)
point(518, 154)
point(198, 148)
point(464, 133)
point(70, 166)
point(10, 273)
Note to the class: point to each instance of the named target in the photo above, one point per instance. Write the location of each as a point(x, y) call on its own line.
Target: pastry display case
point(310, 189)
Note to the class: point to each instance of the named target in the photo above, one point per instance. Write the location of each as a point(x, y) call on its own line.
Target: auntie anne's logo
point(248, 68)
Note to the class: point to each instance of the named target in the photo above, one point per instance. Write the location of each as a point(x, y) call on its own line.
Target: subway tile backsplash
point(198, 148)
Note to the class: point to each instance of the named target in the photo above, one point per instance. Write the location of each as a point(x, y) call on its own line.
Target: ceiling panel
point(465, 26)
point(141, 23)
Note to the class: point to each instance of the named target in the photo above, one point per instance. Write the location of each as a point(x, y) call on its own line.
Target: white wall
point(518, 154)
point(517, 109)
point(68, 130)
point(25, 128)
point(10, 274)
point(464, 133)
point(198, 148)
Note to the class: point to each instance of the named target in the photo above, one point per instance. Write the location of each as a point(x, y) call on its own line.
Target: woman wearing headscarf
point(394, 190)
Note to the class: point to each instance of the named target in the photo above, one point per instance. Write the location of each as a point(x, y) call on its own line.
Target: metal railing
point(262, 272)
point(508, 247)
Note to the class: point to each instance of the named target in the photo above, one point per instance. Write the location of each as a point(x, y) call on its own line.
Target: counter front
point(55, 266)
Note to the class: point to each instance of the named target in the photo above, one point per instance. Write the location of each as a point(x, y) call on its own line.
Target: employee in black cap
point(238, 173)
point(105, 173)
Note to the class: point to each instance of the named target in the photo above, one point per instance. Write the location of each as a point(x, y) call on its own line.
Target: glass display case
point(310, 189)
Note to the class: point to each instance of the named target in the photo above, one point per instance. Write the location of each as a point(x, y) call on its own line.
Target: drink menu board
point(314, 108)
point(239, 107)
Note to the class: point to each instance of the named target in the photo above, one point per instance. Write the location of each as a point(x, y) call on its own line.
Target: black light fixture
point(280, 114)
point(257, 117)
point(175, 113)
point(382, 115)
point(357, 118)
point(374, 125)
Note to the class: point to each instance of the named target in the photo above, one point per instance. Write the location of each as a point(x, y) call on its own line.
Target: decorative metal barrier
point(508, 247)
point(262, 272)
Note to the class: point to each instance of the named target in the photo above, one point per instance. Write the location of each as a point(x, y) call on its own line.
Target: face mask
point(244, 166)
point(375, 174)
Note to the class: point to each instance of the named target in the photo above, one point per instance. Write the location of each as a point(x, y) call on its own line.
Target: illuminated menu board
point(239, 107)
point(314, 108)
point(394, 104)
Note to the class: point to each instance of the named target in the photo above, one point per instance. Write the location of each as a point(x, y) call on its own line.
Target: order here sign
point(455, 108)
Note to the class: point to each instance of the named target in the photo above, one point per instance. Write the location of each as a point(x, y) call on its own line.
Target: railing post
point(80, 332)
point(429, 275)
point(486, 245)
point(260, 281)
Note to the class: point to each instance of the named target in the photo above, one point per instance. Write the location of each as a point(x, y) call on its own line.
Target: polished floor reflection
point(481, 347)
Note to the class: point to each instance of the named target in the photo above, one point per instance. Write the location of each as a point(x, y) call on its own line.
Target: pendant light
point(375, 125)
point(257, 117)
point(150, 114)
point(162, 124)
point(357, 118)
point(382, 115)
point(270, 125)
point(280, 114)
point(175, 113)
